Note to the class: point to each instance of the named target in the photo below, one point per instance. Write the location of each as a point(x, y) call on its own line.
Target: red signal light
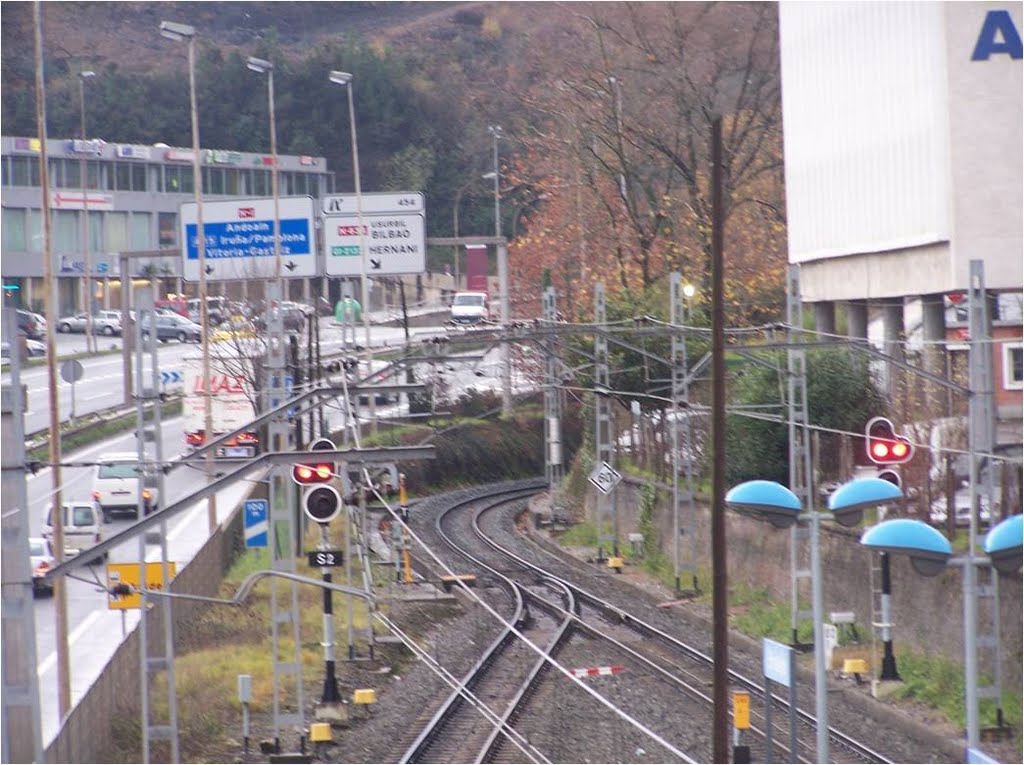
point(321, 472)
point(884, 445)
point(317, 472)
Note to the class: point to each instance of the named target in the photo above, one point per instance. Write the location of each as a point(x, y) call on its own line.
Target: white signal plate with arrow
point(393, 243)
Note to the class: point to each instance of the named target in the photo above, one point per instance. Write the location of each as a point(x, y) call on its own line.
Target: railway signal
point(318, 472)
point(884, 445)
point(321, 503)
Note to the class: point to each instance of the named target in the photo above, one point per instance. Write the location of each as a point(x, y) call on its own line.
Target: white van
point(470, 307)
point(80, 525)
point(115, 486)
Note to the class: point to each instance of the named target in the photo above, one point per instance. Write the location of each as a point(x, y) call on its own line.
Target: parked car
point(217, 308)
point(962, 503)
point(293, 316)
point(80, 525)
point(103, 322)
point(173, 327)
point(115, 486)
point(33, 348)
point(43, 559)
point(30, 325)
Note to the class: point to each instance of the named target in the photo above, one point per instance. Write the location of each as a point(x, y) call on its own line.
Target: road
point(102, 384)
point(95, 631)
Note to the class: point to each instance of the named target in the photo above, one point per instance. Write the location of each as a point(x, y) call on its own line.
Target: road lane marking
point(46, 665)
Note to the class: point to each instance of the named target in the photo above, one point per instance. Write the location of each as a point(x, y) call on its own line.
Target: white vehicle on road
point(116, 487)
point(230, 407)
point(470, 307)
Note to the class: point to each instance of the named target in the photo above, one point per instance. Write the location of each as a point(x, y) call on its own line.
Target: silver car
point(103, 322)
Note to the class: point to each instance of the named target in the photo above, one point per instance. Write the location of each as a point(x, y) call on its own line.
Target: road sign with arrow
point(239, 238)
point(392, 236)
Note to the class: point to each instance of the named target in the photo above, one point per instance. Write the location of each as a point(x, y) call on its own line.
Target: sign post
point(256, 523)
point(239, 240)
point(779, 664)
point(605, 478)
point(393, 234)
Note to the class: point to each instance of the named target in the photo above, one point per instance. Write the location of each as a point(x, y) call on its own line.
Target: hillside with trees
point(606, 110)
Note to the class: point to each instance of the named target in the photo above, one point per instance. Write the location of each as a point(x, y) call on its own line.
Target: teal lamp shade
point(1004, 545)
point(928, 549)
point(848, 502)
point(766, 500)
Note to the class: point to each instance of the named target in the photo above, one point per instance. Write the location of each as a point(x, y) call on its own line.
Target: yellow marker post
point(741, 710)
point(403, 497)
point(740, 722)
point(406, 558)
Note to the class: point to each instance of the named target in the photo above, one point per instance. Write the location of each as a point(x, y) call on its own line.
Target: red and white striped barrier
point(594, 671)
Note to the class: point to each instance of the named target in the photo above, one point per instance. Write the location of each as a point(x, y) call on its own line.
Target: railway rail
point(507, 707)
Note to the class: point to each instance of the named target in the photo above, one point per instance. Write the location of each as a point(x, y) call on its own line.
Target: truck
point(231, 403)
point(477, 266)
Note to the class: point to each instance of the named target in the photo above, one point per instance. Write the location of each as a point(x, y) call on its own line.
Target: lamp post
point(770, 501)
point(87, 282)
point(262, 66)
point(178, 32)
point(496, 133)
point(345, 79)
point(930, 553)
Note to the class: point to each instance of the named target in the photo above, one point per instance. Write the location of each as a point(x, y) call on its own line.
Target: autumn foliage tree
point(618, 155)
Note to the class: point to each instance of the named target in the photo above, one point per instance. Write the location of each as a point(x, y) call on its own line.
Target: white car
point(103, 322)
point(42, 558)
point(116, 488)
point(80, 525)
point(470, 307)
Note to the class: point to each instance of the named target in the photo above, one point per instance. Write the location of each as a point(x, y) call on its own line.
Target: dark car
point(174, 327)
point(30, 325)
point(294, 319)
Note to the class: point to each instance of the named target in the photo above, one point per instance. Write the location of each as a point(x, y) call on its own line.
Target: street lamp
point(87, 282)
point(345, 78)
point(772, 502)
point(930, 553)
point(496, 133)
point(179, 32)
point(262, 66)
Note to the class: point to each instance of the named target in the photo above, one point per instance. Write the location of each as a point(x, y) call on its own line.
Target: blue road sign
point(239, 239)
point(256, 525)
point(171, 376)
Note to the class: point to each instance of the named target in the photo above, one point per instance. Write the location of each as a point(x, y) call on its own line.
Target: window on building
point(139, 238)
point(56, 170)
point(116, 232)
point(299, 186)
point(1013, 366)
point(313, 186)
point(231, 182)
point(260, 183)
point(244, 182)
point(5, 169)
point(95, 231)
point(139, 178)
point(168, 235)
point(13, 230)
point(24, 171)
point(213, 180)
point(35, 231)
point(72, 175)
point(93, 173)
point(123, 173)
point(67, 228)
point(187, 180)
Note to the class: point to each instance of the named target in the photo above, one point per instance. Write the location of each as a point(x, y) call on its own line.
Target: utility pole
point(60, 604)
point(21, 734)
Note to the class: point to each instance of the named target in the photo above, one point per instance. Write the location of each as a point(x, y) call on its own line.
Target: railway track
point(514, 706)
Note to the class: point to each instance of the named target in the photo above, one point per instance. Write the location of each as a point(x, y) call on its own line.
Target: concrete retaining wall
point(116, 692)
point(927, 612)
